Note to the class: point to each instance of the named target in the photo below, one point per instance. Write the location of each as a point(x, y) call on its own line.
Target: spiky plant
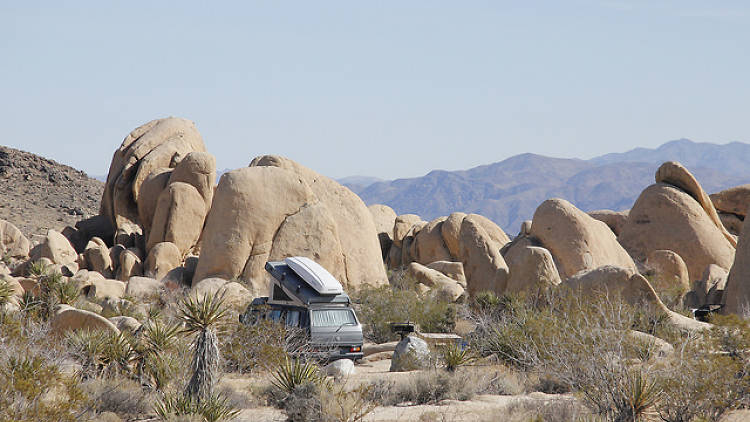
point(36, 269)
point(213, 409)
point(50, 284)
point(117, 353)
point(88, 348)
point(202, 316)
point(160, 336)
point(641, 395)
point(453, 355)
point(151, 364)
point(6, 292)
point(66, 293)
point(295, 372)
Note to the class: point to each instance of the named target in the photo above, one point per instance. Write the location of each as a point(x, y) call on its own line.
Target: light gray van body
point(328, 319)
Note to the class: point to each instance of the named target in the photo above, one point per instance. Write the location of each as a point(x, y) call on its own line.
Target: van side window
point(292, 318)
point(275, 315)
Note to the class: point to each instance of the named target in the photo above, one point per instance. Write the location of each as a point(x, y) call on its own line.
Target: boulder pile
point(165, 224)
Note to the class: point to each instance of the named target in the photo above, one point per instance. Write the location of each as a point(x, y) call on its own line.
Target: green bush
point(34, 389)
point(711, 376)
point(264, 345)
point(378, 307)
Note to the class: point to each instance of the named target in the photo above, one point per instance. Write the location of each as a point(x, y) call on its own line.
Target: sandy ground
point(482, 407)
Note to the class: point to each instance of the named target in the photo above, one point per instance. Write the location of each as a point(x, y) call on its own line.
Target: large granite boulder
point(354, 223)
point(162, 258)
point(576, 240)
point(277, 208)
point(12, 242)
point(451, 229)
point(733, 200)
point(411, 353)
point(667, 217)
point(670, 274)
point(429, 243)
point(55, 247)
point(156, 145)
point(631, 287)
point(68, 318)
point(615, 220)
point(180, 213)
point(532, 270)
point(384, 218)
point(479, 253)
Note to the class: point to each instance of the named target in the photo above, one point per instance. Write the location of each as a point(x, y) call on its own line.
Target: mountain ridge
point(509, 191)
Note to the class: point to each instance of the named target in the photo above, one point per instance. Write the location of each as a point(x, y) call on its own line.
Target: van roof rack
point(288, 287)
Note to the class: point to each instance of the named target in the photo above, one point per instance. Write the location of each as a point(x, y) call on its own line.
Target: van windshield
point(333, 317)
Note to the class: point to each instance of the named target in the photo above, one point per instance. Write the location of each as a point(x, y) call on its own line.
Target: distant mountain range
point(508, 192)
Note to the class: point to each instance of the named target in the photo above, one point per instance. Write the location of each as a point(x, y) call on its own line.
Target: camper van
point(304, 295)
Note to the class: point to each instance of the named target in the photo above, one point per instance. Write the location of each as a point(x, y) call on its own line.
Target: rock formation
point(668, 217)
point(277, 208)
point(577, 241)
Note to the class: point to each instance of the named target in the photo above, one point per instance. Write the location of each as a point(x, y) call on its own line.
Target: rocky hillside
point(39, 193)
point(509, 191)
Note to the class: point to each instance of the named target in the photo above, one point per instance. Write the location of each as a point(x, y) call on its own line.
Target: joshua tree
point(202, 316)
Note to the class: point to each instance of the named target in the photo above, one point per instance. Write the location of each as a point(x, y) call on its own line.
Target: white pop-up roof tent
point(301, 281)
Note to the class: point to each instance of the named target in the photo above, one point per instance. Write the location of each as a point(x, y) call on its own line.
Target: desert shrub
point(564, 410)
point(36, 269)
point(711, 376)
point(153, 353)
point(126, 306)
point(100, 353)
point(264, 345)
point(378, 307)
point(212, 408)
point(548, 384)
point(34, 389)
point(580, 341)
point(303, 403)
point(120, 395)
point(433, 386)
point(326, 402)
point(656, 323)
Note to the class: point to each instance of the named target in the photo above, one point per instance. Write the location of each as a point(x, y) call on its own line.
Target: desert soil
point(38, 194)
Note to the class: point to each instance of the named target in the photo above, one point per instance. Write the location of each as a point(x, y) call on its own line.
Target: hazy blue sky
point(388, 89)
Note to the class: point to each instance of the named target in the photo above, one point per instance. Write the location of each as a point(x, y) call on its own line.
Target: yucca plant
point(294, 372)
point(453, 356)
point(66, 293)
point(36, 269)
point(28, 303)
point(117, 353)
point(213, 408)
point(88, 348)
point(49, 287)
point(148, 351)
point(202, 316)
point(6, 292)
point(160, 336)
point(641, 394)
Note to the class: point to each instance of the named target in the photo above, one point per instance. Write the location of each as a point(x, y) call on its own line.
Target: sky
point(381, 88)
